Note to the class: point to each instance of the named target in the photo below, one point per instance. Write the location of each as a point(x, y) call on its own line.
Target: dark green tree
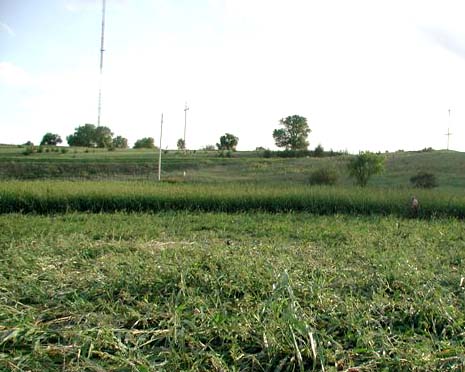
point(228, 142)
point(89, 135)
point(181, 144)
point(294, 134)
point(50, 139)
point(103, 137)
point(120, 142)
point(145, 143)
point(365, 165)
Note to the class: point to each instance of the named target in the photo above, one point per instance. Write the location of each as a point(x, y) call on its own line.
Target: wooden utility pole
point(448, 134)
point(185, 125)
point(159, 155)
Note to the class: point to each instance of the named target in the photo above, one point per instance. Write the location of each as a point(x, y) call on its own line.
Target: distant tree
point(145, 143)
point(228, 142)
point(89, 135)
point(103, 137)
point(120, 142)
point(181, 144)
point(319, 151)
point(365, 165)
point(50, 139)
point(28, 143)
point(294, 134)
point(209, 148)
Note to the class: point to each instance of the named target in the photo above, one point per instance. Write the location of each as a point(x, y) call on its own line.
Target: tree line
point(293, 136)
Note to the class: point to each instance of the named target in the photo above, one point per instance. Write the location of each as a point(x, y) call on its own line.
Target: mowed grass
point(230, 292)
point(93, 196)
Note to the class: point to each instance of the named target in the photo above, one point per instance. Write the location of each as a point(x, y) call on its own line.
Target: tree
point(319, 151)
point(228, 142)
point(120, 142)
point(145, 143)
point(294, 134)
point(50, 139)
point(365, 165)
point(181, 144)
point(89, 135)
point(103, 137)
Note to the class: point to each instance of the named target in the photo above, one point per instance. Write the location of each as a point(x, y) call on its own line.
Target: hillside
point(209, 167)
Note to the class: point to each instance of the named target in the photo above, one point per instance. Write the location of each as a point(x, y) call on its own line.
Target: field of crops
point(56, 197)
point(240, 265)
point(230, 292)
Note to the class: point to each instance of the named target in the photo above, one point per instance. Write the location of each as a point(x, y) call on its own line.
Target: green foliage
point(323, 176)
point(87, 196)
point(209, 148)
point(319, 151)
point(29, 143)
point(29, 150)
point(119, 142)
point(181, 144)
point(145, 143)
point(294, 134)
point(365, 165)
point(230, 292)
point(50, 139)
point(228, 142)
point(424, 180)
point(89, 135)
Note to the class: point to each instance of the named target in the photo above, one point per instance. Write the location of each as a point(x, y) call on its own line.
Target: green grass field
point(230, 292)
point(208, 167)
point(240, 265)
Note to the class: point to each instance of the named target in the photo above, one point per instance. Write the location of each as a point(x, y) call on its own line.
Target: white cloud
point(12, 75)
point(5, 28)
point(87, 5)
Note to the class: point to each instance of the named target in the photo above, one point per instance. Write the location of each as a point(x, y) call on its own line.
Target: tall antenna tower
point(102, 40)
point(448, 134)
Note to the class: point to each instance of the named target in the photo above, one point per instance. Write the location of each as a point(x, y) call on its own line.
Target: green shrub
point(424, 180)
point(323, 176)
point(28, 151)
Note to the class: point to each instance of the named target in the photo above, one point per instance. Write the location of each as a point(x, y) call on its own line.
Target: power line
point(102, 40)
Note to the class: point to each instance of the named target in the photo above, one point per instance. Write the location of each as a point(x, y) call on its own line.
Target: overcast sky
point(367, 74)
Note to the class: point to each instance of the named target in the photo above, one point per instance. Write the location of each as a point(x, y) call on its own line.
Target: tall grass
point(182, 291)
point(58, 197)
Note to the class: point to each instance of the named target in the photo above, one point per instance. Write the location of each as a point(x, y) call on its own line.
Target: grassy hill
point(209, 167)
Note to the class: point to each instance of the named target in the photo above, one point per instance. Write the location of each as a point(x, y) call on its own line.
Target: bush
point(323, 176)
point(64, 150)
point(29, 150)
point(424, 180)
point(319, 151)
point(145, 143)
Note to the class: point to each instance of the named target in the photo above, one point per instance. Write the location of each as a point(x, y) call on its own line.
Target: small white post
point(159, 155)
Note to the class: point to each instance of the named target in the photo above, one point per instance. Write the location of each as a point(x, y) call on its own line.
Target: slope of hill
point(202, 166)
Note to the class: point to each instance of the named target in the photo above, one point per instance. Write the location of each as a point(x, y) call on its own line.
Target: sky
point(372, 75)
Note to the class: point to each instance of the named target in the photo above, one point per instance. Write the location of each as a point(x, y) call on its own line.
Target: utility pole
point(185, 125)
point(448, 134)
point(159, 155)
point(102, 39)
